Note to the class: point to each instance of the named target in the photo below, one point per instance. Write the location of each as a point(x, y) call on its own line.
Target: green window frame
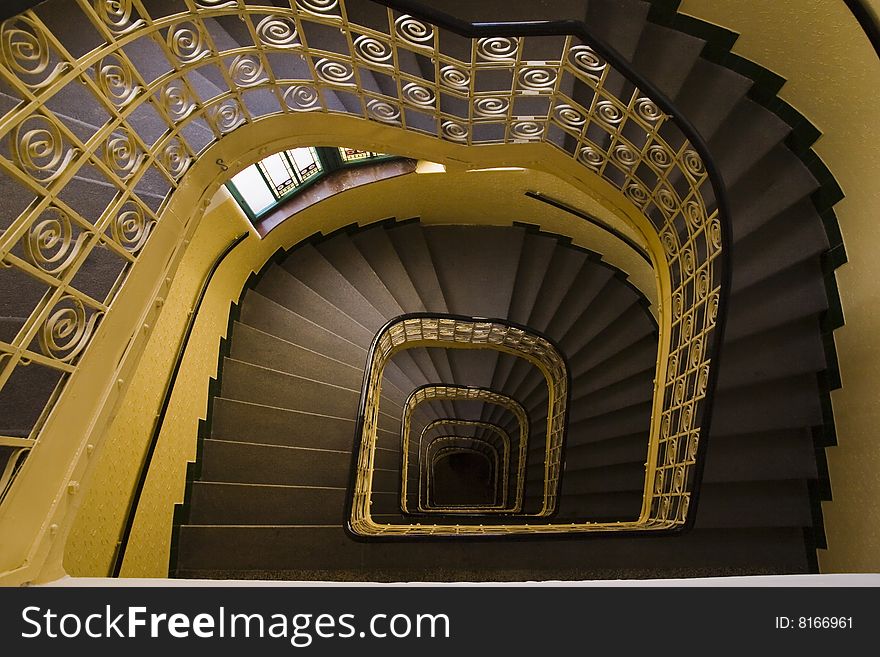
point(261, 187)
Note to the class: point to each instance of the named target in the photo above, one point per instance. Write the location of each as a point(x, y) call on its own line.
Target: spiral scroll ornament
point(585, 60)
point(187, 42)
point(418, 94)
point(39, 148)
point(382, 111)
point(122, 154)
point(569, 116)
point(693, 164)
point(669, 242)
point(526, 130)
point(609, 113)
point(67, 329)
point(659, 156)
point(647, 109)
point(693, 213)
point(702, 284)
point(131, 227)
point(625, 156)
point(498, 49)
point(324, 7)
point(116, 80)
point(334, 72)
point(174, 158)
point(454, 131)
point(591, 156)
point(226, 116)
point(455, 77)
point(667, 200)
point(714, 234)
point(277, 32)
point(537, 79)
point(215, 4)
point(51, 244)
point(246, 71)
point(491, 107)
point(116, 15)
point(712, 309)
point(175, 99)
point(414, 31)
point(688, 261)
point(25, 49)
point(302, 98)
point(637, 194)
point(373, 50)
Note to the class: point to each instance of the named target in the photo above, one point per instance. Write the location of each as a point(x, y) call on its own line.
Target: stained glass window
point(355, 155)
point(262, 185)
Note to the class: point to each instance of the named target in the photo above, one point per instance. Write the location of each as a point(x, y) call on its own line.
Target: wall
point(91, 547)
point(833, 74)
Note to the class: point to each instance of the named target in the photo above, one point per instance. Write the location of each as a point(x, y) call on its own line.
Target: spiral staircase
point(269, 495)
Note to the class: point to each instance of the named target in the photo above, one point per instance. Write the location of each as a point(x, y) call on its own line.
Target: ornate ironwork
point(453, 332)
point(461, 393)
point(622, 133)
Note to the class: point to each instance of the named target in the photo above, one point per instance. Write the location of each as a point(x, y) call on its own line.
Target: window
point(265, 184)
point(355, 155)
point(253, 190)
point(262, 185)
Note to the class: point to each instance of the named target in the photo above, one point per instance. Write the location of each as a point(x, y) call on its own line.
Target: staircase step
point(308, 265)
point(709, 94)
point(266, 315)
point(375, 246)
point(345, 257)
point(258, 423)
point(253, 463)
point(299, 297)
point(256, 347)
point(326, 552)
point(793, 294)
point(666, 57)
point(261, 385)
point(256, 504)
point(470, 260)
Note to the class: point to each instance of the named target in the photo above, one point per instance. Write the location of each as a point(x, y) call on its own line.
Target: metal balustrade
point(466, 85)
point(448, 424)
point(455, 332)
point(449, 445)
point(428, 393)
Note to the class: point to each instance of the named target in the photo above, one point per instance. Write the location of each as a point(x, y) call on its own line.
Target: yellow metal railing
point(506, 455)
point(460, 393)
point(452, 332)
point(568, 98)
point(449, 445)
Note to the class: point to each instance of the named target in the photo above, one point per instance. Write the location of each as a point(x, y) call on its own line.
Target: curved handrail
point(452, 392)
point(490, 333)
point(493, 429)
point(581, 29)
point(485, 449)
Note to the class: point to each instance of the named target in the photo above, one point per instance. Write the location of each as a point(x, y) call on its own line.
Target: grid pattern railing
point(128, 115)
point(492, 434)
